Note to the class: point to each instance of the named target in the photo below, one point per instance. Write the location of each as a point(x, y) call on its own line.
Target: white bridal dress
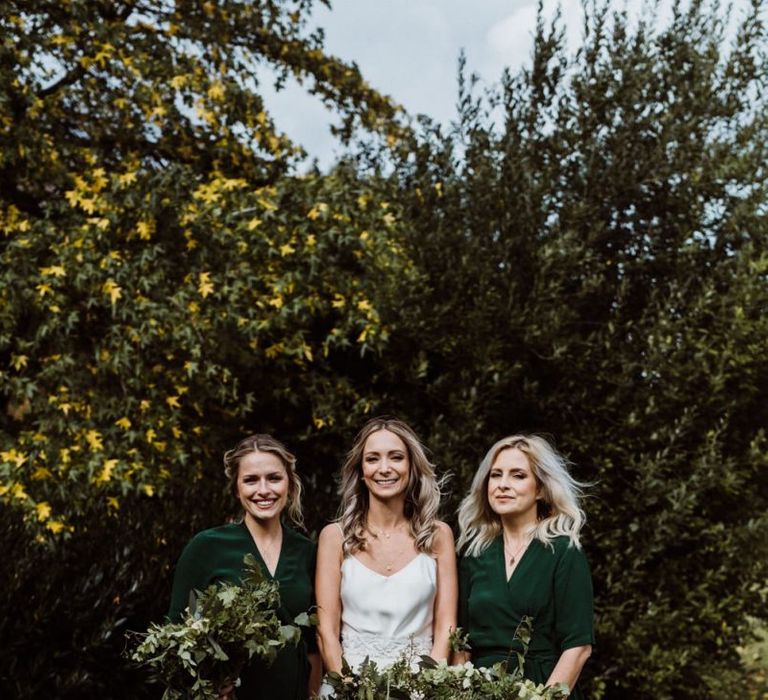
point(386, 617)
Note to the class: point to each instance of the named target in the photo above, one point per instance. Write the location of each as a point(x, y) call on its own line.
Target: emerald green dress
point(551, 585)
point(217, 555)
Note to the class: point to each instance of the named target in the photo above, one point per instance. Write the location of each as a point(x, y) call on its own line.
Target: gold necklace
point(513, 557)
point(386, 535)
point(388, 567)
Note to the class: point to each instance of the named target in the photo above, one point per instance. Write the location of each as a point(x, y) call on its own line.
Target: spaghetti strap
point(338, 525)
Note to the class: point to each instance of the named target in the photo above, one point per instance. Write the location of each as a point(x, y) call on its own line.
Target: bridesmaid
point(386, 574)
point(519, 535)
point(262, 476)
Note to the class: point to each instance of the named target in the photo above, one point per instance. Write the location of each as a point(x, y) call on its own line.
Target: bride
point(386, 569)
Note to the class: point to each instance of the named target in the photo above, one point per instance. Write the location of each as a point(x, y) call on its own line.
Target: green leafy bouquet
point(223, 628)
point(440, 681)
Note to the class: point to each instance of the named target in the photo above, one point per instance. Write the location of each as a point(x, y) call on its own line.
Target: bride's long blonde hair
point(559, 512)
point(422, 498)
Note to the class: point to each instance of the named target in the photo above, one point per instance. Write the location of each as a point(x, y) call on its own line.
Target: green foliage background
point(584, 254)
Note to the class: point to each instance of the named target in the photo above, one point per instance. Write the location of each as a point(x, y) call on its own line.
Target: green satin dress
point(217, 555)
point(553, 586)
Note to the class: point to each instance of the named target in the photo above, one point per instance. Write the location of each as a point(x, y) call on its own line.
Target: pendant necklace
point(387, 567)
point(513, 557)
point(386, 535)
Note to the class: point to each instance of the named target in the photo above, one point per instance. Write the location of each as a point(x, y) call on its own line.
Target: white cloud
point(409, 50)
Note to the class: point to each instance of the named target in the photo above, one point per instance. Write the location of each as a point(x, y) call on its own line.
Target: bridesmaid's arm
point(328, 593)
point(447, 595)
point(569, 665)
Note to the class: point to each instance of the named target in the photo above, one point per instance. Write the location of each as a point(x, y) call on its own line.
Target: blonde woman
point(519, 537)
point(386, 570)
point(262, 476)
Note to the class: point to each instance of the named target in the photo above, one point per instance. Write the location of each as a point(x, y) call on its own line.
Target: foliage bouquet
point(441, 681)
point(223, 628)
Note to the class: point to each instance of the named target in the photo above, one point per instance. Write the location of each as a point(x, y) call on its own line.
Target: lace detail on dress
point(384, 650)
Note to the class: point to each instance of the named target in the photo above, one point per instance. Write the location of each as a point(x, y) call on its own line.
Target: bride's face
point(386, 467)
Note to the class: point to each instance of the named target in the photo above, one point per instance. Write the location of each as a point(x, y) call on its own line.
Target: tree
point(168, 283)
point(594, 267)
point(151, 244)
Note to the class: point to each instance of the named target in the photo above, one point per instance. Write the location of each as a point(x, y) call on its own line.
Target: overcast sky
point(409, 50)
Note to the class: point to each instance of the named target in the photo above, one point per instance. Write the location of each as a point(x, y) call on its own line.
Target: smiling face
point(386, 467)
point(512, 487)
point(262, 485)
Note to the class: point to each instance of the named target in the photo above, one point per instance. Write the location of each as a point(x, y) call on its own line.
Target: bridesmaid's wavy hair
point(422, 497)
point(266, 443)
point(558, 508)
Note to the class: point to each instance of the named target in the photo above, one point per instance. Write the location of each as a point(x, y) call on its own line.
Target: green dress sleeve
point(193, 572)
point(573, 600)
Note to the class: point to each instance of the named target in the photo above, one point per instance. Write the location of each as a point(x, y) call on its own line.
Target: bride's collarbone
point(387, 556)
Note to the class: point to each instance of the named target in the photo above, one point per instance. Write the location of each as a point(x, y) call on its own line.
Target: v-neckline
point(260, 558)
point(508, 579)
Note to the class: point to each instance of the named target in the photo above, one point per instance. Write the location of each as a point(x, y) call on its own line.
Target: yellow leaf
point(149, 489)
point(43, 289)
point(207, 193)
point(150, 434)
point(55, 526)
point(286, 249)
point(127, 178)
point(363, 335)
point(145, 229)
point(205, 286)
point(216, 91)
point(113, 503)
point(19, 362)
point(106, 471)
point(18, 458)
point(54, 270)
point(124, 423)
point(18, 492)
point(172, 401)
point(43, 511)
point(338, 301)
point(113, 290)
point(254, 224)
point(319, 422)
point(41, 473)
point(93, 438)
point(364, 305)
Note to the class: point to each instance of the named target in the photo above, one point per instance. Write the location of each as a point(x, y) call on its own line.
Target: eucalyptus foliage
point(434, 680)
point(439, 681)
point(223, 628)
